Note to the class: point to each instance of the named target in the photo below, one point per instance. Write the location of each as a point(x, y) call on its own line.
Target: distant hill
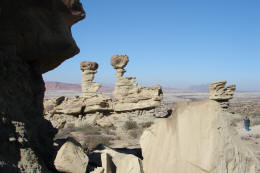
point(55, 86)
point(199, 88)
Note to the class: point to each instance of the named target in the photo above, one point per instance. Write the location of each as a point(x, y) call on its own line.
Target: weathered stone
point(71, 158)
point(119, 61)
point(98, 170)
point(196, 138)
point(218, 91)
point(128, 95)
point(93, 101)
point(107, 163)
point(93, 66)
point(130, 164)
point(35, 38)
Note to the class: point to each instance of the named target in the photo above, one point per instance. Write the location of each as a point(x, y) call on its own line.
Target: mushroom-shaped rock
point(119, 61)
point(128, 95)
point(218, 91)
point(85, 65)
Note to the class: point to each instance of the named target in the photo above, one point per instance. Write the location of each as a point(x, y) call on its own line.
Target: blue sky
point(175, 43)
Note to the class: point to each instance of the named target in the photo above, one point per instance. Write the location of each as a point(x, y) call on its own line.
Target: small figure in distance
point(247, 123)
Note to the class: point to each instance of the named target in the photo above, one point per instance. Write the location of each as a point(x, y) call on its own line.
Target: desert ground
point(127, 129)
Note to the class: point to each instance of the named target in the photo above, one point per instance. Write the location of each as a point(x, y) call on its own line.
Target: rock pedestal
point(220, 93)
point(128, 95)
point(89, 69)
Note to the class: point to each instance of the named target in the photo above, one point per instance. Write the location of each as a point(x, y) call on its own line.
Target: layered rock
point(128, 95)
point(71, 158)
point(35, 38)
point(92, 100)
point(73, 110)
point(220, 93)
point(198, 138)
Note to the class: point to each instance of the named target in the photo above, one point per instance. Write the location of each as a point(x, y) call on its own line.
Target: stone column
point(220, 93)
point(88, 87)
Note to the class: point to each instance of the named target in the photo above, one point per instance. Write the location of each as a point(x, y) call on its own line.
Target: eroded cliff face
point(35, 37)
point(40, 30)
point(197, 138)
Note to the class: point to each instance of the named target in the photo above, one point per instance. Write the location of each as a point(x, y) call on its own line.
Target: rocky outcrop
point(89, 69)
point(40, 30)
point(220, 93)
point(71, 158)
point(128, 95)
point(198, 138)
point(93, 101)
point(116, 162)
point(80, 111)
point(35, 38)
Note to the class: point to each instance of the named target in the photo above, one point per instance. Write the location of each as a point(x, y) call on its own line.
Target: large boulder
point(119, 162)
point(40, 30)
point(197, 138)
point(71, 158)
point(130, 164)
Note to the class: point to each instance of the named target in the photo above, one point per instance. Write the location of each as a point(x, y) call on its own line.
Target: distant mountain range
point(56, 86)
point(200, 88)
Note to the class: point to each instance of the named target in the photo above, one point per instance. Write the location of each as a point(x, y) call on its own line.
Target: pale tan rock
point(196, 138)
point(71, 158)
point(119, 61)
point(130, 164)
point(107, 163)
point(93, 101)
point(218, 91)
point(128, 95)
point(88, 66)
point(98, 170)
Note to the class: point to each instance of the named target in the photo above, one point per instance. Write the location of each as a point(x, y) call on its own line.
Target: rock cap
point(119, 61)
point(218, 91)
point(86, 65)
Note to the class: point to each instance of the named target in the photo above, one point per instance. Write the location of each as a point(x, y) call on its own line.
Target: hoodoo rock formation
point(80, 110)
point(89, 69)
point(220, 93)
point(128, 95)
point(35, 37)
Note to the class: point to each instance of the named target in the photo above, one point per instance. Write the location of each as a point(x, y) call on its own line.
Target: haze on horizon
point(172, 43)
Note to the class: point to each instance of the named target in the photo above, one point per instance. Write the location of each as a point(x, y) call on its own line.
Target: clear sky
point(175, 43)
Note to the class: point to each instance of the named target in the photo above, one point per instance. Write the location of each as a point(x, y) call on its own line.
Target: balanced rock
point(128, 95)
point(218, 91)
point(196, 138)
point(116, 162)
point(119, 61)
point(71, 158)
point(89, 69)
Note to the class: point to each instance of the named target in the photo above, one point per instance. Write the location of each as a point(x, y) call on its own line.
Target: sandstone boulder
point(71, 158)
point(116, 162)
point(196, 138)
point(218, 91)
point(119, 61)
point(130, 164)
